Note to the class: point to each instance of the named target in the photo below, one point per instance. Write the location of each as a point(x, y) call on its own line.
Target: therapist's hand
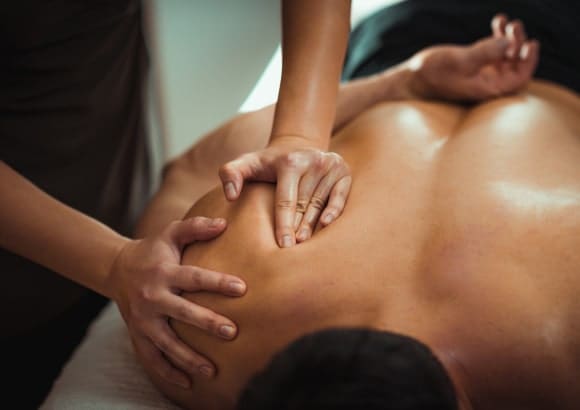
point(497, 65)
point(146, 281)
point(312, 185)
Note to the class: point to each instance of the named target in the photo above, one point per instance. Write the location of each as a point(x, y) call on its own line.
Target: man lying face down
point(451, 279)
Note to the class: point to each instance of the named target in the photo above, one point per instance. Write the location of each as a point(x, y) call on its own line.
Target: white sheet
point(103, 373)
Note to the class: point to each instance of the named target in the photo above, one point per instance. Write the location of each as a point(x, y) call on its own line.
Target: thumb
point(234, 173)
point(184, 232)
point(489, 50)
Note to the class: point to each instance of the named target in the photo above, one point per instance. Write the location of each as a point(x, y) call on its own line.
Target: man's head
point(351, 369)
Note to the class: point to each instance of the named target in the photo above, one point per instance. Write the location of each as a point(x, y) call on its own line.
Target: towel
point(104, 373)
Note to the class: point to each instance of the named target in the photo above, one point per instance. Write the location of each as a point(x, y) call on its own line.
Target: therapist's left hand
point(312, 184)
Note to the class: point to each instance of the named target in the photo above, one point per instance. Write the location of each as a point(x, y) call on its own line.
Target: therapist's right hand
point(146, 281)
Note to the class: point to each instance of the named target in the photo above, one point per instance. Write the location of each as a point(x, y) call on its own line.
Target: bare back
point(462, 222)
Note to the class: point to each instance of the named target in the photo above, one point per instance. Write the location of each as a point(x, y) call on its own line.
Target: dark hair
point(351, 369)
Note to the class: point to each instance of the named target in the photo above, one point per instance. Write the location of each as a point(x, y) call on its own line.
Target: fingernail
point(230, 190)
point(328, 218)
point(236, 287)
point(286, 241)
point(524, 51)
point(217, 222)
point(227, 331)
point(303, 234)
point(206, 370)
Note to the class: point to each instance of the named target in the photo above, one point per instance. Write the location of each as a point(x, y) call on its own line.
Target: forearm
point(358, 95)
point(38, 227)
point(314, 41)
point(250, 131)
point(195, 172)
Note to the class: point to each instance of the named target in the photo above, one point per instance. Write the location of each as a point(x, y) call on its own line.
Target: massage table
point(103, 372)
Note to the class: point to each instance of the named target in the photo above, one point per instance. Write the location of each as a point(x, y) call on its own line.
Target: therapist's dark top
point(71, 121)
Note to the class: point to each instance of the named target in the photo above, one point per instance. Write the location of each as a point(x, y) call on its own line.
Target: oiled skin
point(462, 229)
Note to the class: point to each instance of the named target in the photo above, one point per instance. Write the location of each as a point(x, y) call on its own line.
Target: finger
point(160, 365)
point(185, 311)
point(165, 339)
point(337, 201)
point(286, 196)
point(516, 35)
point(498, 24)
point(486, 51)
point(318, 202)
point(308, 184)
point(234, 173)
point(193, 278)
point(301, 206)
point(195, 229)
point(529, 57)
point(508, 80)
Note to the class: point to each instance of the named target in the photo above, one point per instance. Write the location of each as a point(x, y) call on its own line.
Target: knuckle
point(163, 344)
point(184, 312)
point(223, 282)
point(292, 160)
point(173, 225)
point(317, 202)
point(340, 196)
point(191, 362)
point(146, 294)
point(285, 204)
point(319, 162)
point(335, 159)
point(158, 270)
point(310, 219)
point(301, 205)
point(227, 168)
point(199, 221)
point(224, 171)
point(196, 278)
point(211, 323)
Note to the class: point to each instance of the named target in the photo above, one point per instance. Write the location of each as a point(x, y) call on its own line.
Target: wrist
point(419, 85)
point(399, 83)
point(116, 265)
point(297, 141)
